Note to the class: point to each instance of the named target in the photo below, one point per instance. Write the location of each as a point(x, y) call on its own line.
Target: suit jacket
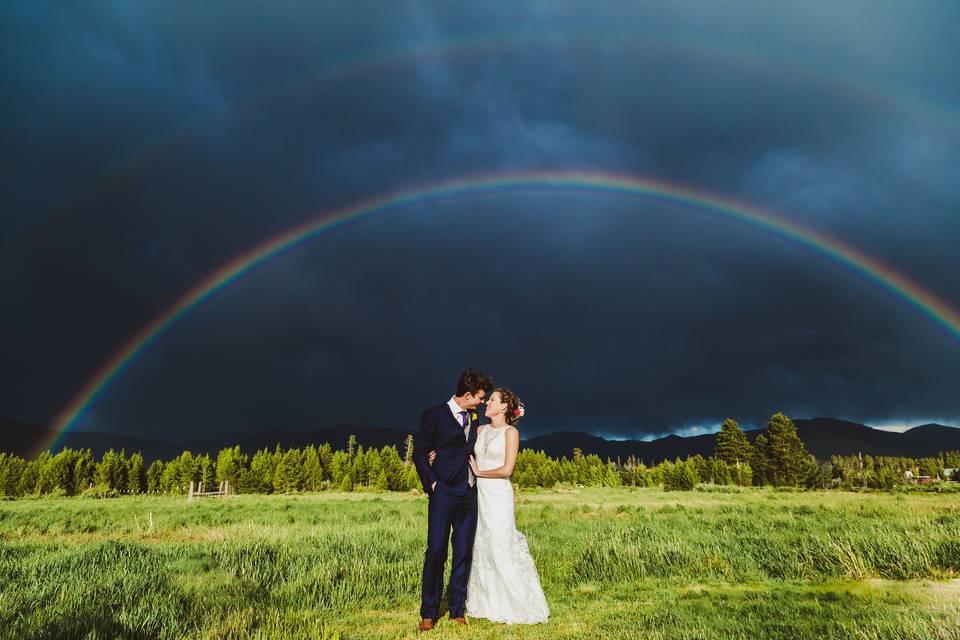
point(441, 432)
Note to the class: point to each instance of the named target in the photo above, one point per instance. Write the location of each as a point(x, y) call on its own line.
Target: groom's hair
point(472, 381)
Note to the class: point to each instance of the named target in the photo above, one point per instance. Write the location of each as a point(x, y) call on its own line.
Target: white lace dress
point(504, 585)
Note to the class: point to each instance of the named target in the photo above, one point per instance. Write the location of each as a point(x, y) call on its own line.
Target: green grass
point(615, 563)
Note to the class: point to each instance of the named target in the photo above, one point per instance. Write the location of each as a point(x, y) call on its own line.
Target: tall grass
point(613, 562)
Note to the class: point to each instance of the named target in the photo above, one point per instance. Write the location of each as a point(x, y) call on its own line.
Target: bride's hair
point(510, 399)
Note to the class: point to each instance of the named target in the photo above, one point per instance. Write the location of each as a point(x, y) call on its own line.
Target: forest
point(777, 458)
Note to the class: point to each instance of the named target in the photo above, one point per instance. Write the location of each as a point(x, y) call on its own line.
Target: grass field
point(615, 563)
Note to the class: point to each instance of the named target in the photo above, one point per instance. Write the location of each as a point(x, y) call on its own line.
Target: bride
point(504, 585)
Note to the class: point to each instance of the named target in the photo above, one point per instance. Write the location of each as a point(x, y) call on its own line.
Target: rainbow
point(260, 255)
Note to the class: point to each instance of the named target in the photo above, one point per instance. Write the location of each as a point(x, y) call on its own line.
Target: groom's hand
point(433, 487)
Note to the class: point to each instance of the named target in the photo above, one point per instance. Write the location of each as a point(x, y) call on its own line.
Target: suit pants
point(448, 511)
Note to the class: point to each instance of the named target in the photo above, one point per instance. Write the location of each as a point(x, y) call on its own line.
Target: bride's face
point(495, 406)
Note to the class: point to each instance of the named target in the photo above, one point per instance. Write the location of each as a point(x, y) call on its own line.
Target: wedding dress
point(504, 585)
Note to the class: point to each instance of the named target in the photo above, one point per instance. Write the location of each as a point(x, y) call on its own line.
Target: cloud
point(148, 145)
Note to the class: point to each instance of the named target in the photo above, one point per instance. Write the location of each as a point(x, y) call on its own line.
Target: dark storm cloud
point(146, 144)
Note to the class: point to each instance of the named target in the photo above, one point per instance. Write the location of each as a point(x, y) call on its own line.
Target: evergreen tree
point(118, 480)
point(170, 478)
point(339, 467)
point(154, 474)
point(261, 472)
point(230, 463)
point(288, 477)
point(760, 461)
point(136, 477)
point(42, 483)
point(732, 444)
point(27, 482)
point(187, 467)
point(312, 470)
point(374, 465)
point(208, 472)
point(787, 459)
point(381, 481)
point(680, 476)
point(83, 471)
point(408, 453)
point(394, 469)
point(743, 475)
point(58, 472)
point(325, 451)
point(12, 470)
point(105, 471)
point(358, 468)
point(700, 466)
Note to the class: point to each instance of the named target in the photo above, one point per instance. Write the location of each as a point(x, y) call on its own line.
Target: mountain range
point(823, 437)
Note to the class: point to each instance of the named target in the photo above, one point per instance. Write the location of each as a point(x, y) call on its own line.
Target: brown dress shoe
point(426, 624)
point(460, 621)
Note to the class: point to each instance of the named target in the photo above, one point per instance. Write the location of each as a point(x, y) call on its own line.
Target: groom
point(450, 429)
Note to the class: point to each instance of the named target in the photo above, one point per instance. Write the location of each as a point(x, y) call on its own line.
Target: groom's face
point(474, 401)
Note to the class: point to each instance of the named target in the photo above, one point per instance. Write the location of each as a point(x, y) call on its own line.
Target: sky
point(145, 145)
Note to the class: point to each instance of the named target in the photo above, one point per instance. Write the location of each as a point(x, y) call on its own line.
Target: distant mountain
point(25, 440)
point(367, 437)
point(562, 443)
point(823, 437)
point(22, 438)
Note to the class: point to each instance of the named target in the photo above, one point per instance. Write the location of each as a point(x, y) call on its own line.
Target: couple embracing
point(465, 469)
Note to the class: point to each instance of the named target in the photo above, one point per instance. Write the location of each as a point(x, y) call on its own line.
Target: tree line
point(777, 457)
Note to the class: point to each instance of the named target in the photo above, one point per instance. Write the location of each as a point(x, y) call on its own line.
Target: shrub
point(100, 491)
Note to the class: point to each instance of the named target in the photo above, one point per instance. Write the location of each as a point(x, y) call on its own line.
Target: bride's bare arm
point(511, 446)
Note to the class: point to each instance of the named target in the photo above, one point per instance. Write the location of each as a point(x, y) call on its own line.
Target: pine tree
point(789, 462)
point(27, 482)
point(408, 454)
point(351, 444)
point(208, 472)
point(262, 468)
point(287, 477)
point(230, 463)
point(312, 470)
point(381, 481)
point(136, 480)
point(732, 445)
point(83, 471)
point(325, 451)
point(154, 474)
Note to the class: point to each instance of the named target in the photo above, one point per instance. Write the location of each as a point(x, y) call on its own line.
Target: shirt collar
point(455, 408)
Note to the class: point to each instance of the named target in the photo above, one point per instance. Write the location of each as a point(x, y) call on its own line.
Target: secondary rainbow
point(258, 256)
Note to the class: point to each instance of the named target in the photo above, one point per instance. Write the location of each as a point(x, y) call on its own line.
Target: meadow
point(729, 562)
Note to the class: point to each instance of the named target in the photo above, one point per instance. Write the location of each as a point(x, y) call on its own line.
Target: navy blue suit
point(452, 504)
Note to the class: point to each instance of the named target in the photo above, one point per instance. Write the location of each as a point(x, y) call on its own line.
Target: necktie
point(466, 434)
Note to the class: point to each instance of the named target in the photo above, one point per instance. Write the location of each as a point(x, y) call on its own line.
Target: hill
point(823, 437)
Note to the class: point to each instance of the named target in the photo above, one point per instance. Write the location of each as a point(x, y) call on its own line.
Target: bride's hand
point(432, 456)
point(474, 467)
